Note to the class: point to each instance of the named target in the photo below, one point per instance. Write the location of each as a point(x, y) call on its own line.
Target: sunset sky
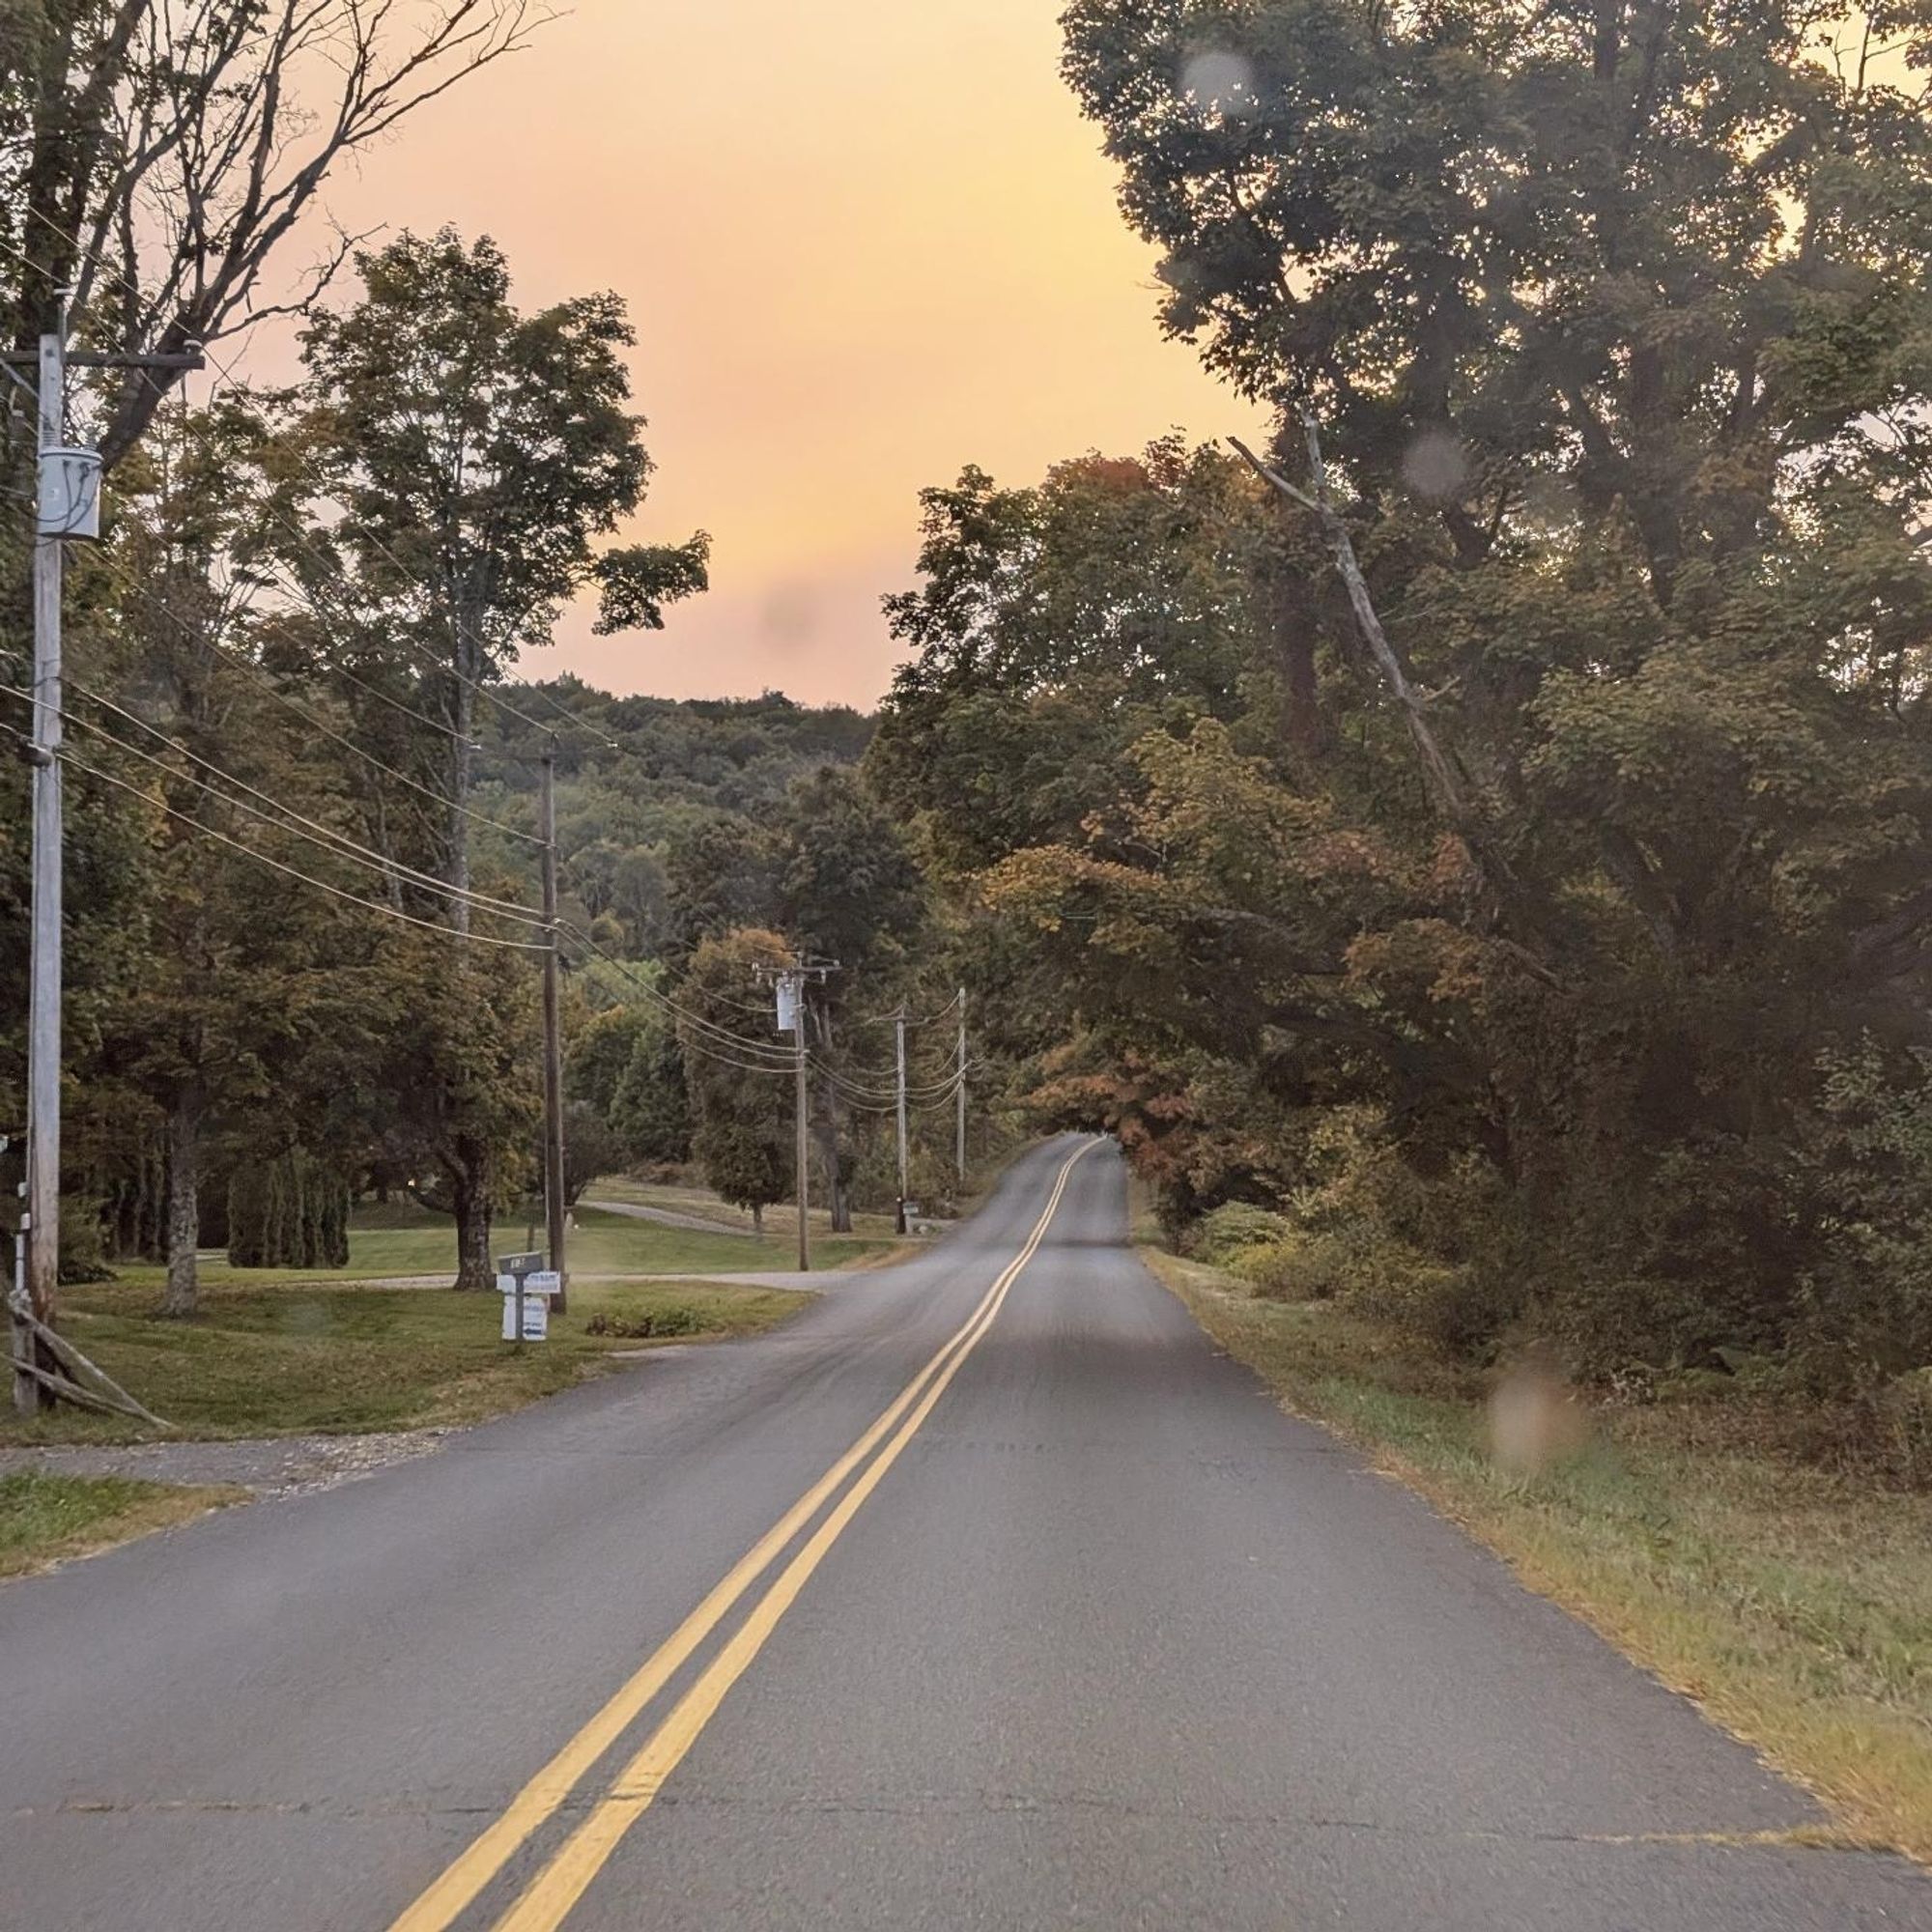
point(864, 242)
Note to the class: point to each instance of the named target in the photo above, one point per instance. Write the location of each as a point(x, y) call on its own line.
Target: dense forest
point(1475, 853)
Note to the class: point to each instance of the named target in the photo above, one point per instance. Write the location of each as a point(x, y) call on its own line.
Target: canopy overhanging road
point(986, 1594)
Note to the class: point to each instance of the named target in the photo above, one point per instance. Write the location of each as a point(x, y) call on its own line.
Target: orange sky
point(864, 242)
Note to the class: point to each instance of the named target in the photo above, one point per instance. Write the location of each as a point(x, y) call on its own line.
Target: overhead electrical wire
point(914, 1019)
point(295, 872)
point(846, 1084)
point(316, 834)
point(712, 1038)
point(228, 655)
point(311, 475)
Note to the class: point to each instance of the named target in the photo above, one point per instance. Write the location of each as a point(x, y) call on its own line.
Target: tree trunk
point(469, 1177)
point(758, 1218)
point(468, 664)
point(181, 1298)
point(1294, 624)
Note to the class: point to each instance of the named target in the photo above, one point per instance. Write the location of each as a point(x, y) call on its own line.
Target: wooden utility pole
point(802, 1156)
point(59, 519)
point(45, 967)
point(790, 983)
point(959, 1096)
point(554, 1209)
point(899, 1043)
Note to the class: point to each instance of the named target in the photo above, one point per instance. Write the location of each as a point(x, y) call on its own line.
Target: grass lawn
point(781, 1218)
point(309, 1358)
point(404, 1239)
point(1795, 1604)
point(44, 1519)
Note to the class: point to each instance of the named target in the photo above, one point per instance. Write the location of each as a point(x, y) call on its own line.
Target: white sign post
point(526, 1286)
point(536, 1318)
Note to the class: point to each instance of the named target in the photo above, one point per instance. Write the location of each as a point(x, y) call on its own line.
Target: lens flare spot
point(1535, 1419)
point(1436, 466)
point(1221, 82)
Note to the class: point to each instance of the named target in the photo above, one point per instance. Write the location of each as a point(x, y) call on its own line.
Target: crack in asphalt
point(988, 1803)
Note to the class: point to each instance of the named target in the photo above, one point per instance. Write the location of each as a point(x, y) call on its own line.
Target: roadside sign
point(536, 1285)
point(536, 1319)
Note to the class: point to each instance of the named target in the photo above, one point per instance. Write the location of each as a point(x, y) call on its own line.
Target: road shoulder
point(1793, 1605)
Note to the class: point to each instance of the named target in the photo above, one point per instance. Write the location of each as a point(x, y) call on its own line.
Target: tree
point(152, 157)
point(1643, 262)
point(456, 1053)
point(240, 969)
point(742, 1131)
point(624, 1067)
point(473, 455)
point(591, 1148)
point(848, 890)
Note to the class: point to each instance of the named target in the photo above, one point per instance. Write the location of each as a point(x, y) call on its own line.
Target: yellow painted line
point(450, 1894)
point(562, 1882)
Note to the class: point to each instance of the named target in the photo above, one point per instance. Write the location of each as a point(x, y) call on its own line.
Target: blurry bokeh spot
point(1219, 80)
point(1435, 465)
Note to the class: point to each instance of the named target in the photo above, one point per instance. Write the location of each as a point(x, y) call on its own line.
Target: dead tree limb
point(1441, 778)
point(1439, 774)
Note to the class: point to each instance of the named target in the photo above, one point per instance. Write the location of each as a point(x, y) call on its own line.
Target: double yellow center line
point(561, 1883)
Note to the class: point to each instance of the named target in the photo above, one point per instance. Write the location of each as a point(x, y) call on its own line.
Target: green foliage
point(1611, 329)
point(288, 1211)
point(742, 1125)
point(636, 583)
point(1225, 1234)
point(1863, 1312)
point(659, 1323)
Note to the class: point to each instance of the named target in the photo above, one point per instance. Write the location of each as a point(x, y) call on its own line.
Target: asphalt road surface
point(981, 1594)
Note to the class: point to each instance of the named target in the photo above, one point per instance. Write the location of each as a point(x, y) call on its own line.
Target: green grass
point(780, 1219)
point(1794, 1602)
point(306, 1358)
point(402, 1239)
point(44, 1519)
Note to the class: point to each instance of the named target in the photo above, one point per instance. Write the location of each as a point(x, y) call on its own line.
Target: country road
point(1085, 1634)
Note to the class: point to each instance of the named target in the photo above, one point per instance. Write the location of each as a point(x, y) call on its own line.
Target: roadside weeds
point(45, 1520)
point(1794, 1605)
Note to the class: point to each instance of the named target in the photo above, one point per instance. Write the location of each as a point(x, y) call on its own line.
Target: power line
point(295, 872)
point(854, 1087)
point(911, 1019)
point(321, 836)
point(229, 656)
point(375, 690)
point(311, 475)
point(708, 1031)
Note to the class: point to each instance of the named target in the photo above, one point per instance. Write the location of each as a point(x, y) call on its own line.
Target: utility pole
point(790, 983)
point(899, 1042)
point(801, 1100)
point(959, 1155)
point(67, 507)
point(553, 1202)
point(45, 965)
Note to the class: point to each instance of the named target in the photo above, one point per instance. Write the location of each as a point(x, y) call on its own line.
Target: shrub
point(651, 1323)
point(1223, 1237)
